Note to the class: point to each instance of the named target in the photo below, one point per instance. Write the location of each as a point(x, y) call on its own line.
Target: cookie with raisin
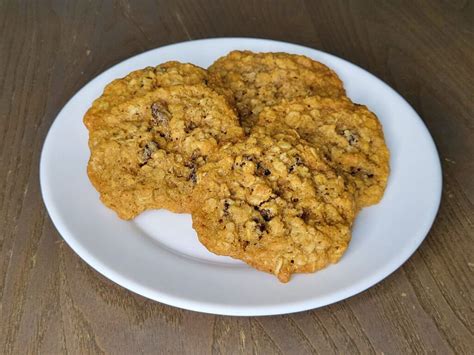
point(145, 152)
point(274, 203)
point(349, 135)
point(252, 81)
point(142, 81)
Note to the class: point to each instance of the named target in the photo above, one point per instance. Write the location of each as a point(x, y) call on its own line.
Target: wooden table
point(52, 302)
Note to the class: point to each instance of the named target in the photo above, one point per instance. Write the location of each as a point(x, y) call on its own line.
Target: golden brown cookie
point(274, 203)
point(140, 82)
point(146, 151)
point(348, 134)
point(252, 81)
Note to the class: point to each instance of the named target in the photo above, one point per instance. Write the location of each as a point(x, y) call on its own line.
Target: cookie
point(274, 203)
point(252, 81)
point(140, 82)
point(145, 152)
point(348, 134)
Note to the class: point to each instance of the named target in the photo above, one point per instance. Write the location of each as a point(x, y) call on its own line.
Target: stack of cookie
point(265, 151)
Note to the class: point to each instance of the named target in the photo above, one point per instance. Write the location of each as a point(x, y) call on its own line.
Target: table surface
point(52, 302)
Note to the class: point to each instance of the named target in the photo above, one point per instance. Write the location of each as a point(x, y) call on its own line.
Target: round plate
point(158, 255)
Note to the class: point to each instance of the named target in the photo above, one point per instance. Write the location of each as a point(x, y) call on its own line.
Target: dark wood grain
point(52, 302)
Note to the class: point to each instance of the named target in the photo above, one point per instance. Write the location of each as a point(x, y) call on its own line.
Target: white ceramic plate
point(158, 255)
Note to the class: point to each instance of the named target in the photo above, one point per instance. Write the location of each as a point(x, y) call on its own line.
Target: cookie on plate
point(349, 135)
point(146, 151)
point(252, 81)
point(140, 82)
point(274, 203)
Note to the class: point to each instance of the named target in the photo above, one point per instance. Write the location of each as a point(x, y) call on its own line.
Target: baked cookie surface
point(349, 136)
point(274, 203)
point(142, 81)
point(145, 152)
point(252, 81)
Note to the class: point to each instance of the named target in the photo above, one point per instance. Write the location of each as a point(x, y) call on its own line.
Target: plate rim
point(212, 308)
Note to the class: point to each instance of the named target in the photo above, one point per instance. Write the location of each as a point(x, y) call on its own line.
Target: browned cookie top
point(146, 151)
point(274, 203)
point(252, 81)
point(348, 134)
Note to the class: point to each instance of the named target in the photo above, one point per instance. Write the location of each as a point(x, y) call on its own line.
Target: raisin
point(226, 208)
point(190, 126)
point(259, 225)
point(192, 175)
point(266, 215)
point(195, 154)
point(351, 137)
point(358, 171)
point(298, 161)
point(261, 170)
point(192, 166)
point(160, 114)
point(354, 171)
point(148, 152)
point(304, 215)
